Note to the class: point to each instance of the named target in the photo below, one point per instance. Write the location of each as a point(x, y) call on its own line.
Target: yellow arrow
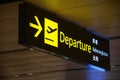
point(36, 26)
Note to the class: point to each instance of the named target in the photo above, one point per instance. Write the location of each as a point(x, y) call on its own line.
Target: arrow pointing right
point(38, 26)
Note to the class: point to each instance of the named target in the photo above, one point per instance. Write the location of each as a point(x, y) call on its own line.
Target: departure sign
point(46, 30)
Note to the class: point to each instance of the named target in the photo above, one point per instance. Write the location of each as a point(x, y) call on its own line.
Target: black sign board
point(46, 30)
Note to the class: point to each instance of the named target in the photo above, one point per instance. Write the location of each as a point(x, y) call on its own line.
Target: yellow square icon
point(51, 32)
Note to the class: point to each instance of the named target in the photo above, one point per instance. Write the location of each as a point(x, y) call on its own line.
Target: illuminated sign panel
point(45, 30)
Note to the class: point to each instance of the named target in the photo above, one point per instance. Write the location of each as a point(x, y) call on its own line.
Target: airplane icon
point(51, 30)
point(51, 33)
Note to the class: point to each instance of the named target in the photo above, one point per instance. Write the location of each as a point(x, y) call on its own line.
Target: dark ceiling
point(8, 1)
